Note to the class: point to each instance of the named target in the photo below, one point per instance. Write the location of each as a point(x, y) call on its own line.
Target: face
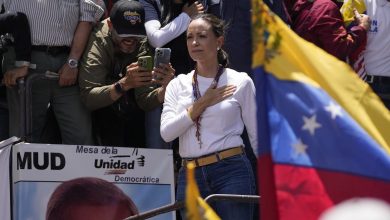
point(125, 44)
point(89, 212)
point(202, 43)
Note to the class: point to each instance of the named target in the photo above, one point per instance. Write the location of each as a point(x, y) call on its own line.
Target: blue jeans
point(229, 176)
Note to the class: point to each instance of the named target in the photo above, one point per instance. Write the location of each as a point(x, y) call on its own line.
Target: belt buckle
point(370, 78)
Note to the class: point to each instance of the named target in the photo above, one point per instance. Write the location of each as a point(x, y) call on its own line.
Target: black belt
point(371, 79)
point(52, 50)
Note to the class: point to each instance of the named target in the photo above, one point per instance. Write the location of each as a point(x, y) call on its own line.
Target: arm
point(89, 14)
point(68, 75)
point(16, 23)
point(174, 122)
point(246, 96)
point(332, 33)
point(96, 66)
point(95, 93)
point(159, 36)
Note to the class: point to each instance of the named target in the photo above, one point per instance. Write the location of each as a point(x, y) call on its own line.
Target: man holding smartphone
point(110, 74)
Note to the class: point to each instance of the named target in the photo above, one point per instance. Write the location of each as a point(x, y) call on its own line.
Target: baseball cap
point(128, 18)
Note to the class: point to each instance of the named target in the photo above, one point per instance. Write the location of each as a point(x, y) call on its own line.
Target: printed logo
point(374, 26)
point(132, 17)
point(40, 161)
point(119, 164)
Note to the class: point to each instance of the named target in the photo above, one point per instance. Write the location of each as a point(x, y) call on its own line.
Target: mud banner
point(82, 179)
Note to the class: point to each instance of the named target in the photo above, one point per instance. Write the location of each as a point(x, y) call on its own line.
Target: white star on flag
point(310, 124)
point(300, 147)
point(335, 110)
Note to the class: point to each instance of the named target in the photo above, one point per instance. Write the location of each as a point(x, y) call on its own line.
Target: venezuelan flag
point(324, 136)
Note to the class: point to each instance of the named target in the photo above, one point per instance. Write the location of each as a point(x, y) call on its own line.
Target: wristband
point(118, 88)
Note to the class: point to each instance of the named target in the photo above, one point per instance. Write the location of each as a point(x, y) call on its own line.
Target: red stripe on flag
point(304, 193)
point(267, 191)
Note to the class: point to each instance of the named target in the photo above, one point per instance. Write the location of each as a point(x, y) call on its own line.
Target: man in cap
point(112, 83)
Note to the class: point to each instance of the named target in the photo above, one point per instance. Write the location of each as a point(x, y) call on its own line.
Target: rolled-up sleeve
point(91, 11)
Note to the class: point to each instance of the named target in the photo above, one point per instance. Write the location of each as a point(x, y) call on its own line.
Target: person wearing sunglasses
point(110, 74)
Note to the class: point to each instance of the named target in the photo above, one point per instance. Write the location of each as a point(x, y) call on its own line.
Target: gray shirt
point(53, 22)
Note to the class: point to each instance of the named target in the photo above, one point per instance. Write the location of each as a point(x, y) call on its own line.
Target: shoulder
point(241, 79)
point(185, 78)
point(182, 80)
point(236, 76)
point(101, 31)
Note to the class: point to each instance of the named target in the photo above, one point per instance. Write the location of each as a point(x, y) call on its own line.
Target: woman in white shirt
point(208, 109)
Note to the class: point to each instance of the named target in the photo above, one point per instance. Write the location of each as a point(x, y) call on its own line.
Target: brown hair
point(86, 190)
point(219, 28)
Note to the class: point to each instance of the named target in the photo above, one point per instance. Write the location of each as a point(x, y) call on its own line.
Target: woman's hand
point(211, 97)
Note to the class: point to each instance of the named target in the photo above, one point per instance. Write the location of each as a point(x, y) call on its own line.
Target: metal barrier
point(209, 199)
point(25, 99)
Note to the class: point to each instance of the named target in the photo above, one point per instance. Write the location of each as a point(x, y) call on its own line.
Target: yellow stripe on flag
point(196, 207)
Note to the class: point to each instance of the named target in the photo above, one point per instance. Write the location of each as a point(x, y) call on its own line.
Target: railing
point(25, 86)
point(180, 205)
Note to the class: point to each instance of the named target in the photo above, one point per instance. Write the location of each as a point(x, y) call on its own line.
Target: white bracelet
point(20, 63)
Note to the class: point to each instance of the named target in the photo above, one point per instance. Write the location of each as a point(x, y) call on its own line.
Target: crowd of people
point(202, 103)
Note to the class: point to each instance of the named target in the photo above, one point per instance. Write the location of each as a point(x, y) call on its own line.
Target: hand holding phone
point(161, 56)
point(137, 74)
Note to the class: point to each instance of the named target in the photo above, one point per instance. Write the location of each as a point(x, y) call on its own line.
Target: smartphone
point(162, 55)
point(145, 62)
